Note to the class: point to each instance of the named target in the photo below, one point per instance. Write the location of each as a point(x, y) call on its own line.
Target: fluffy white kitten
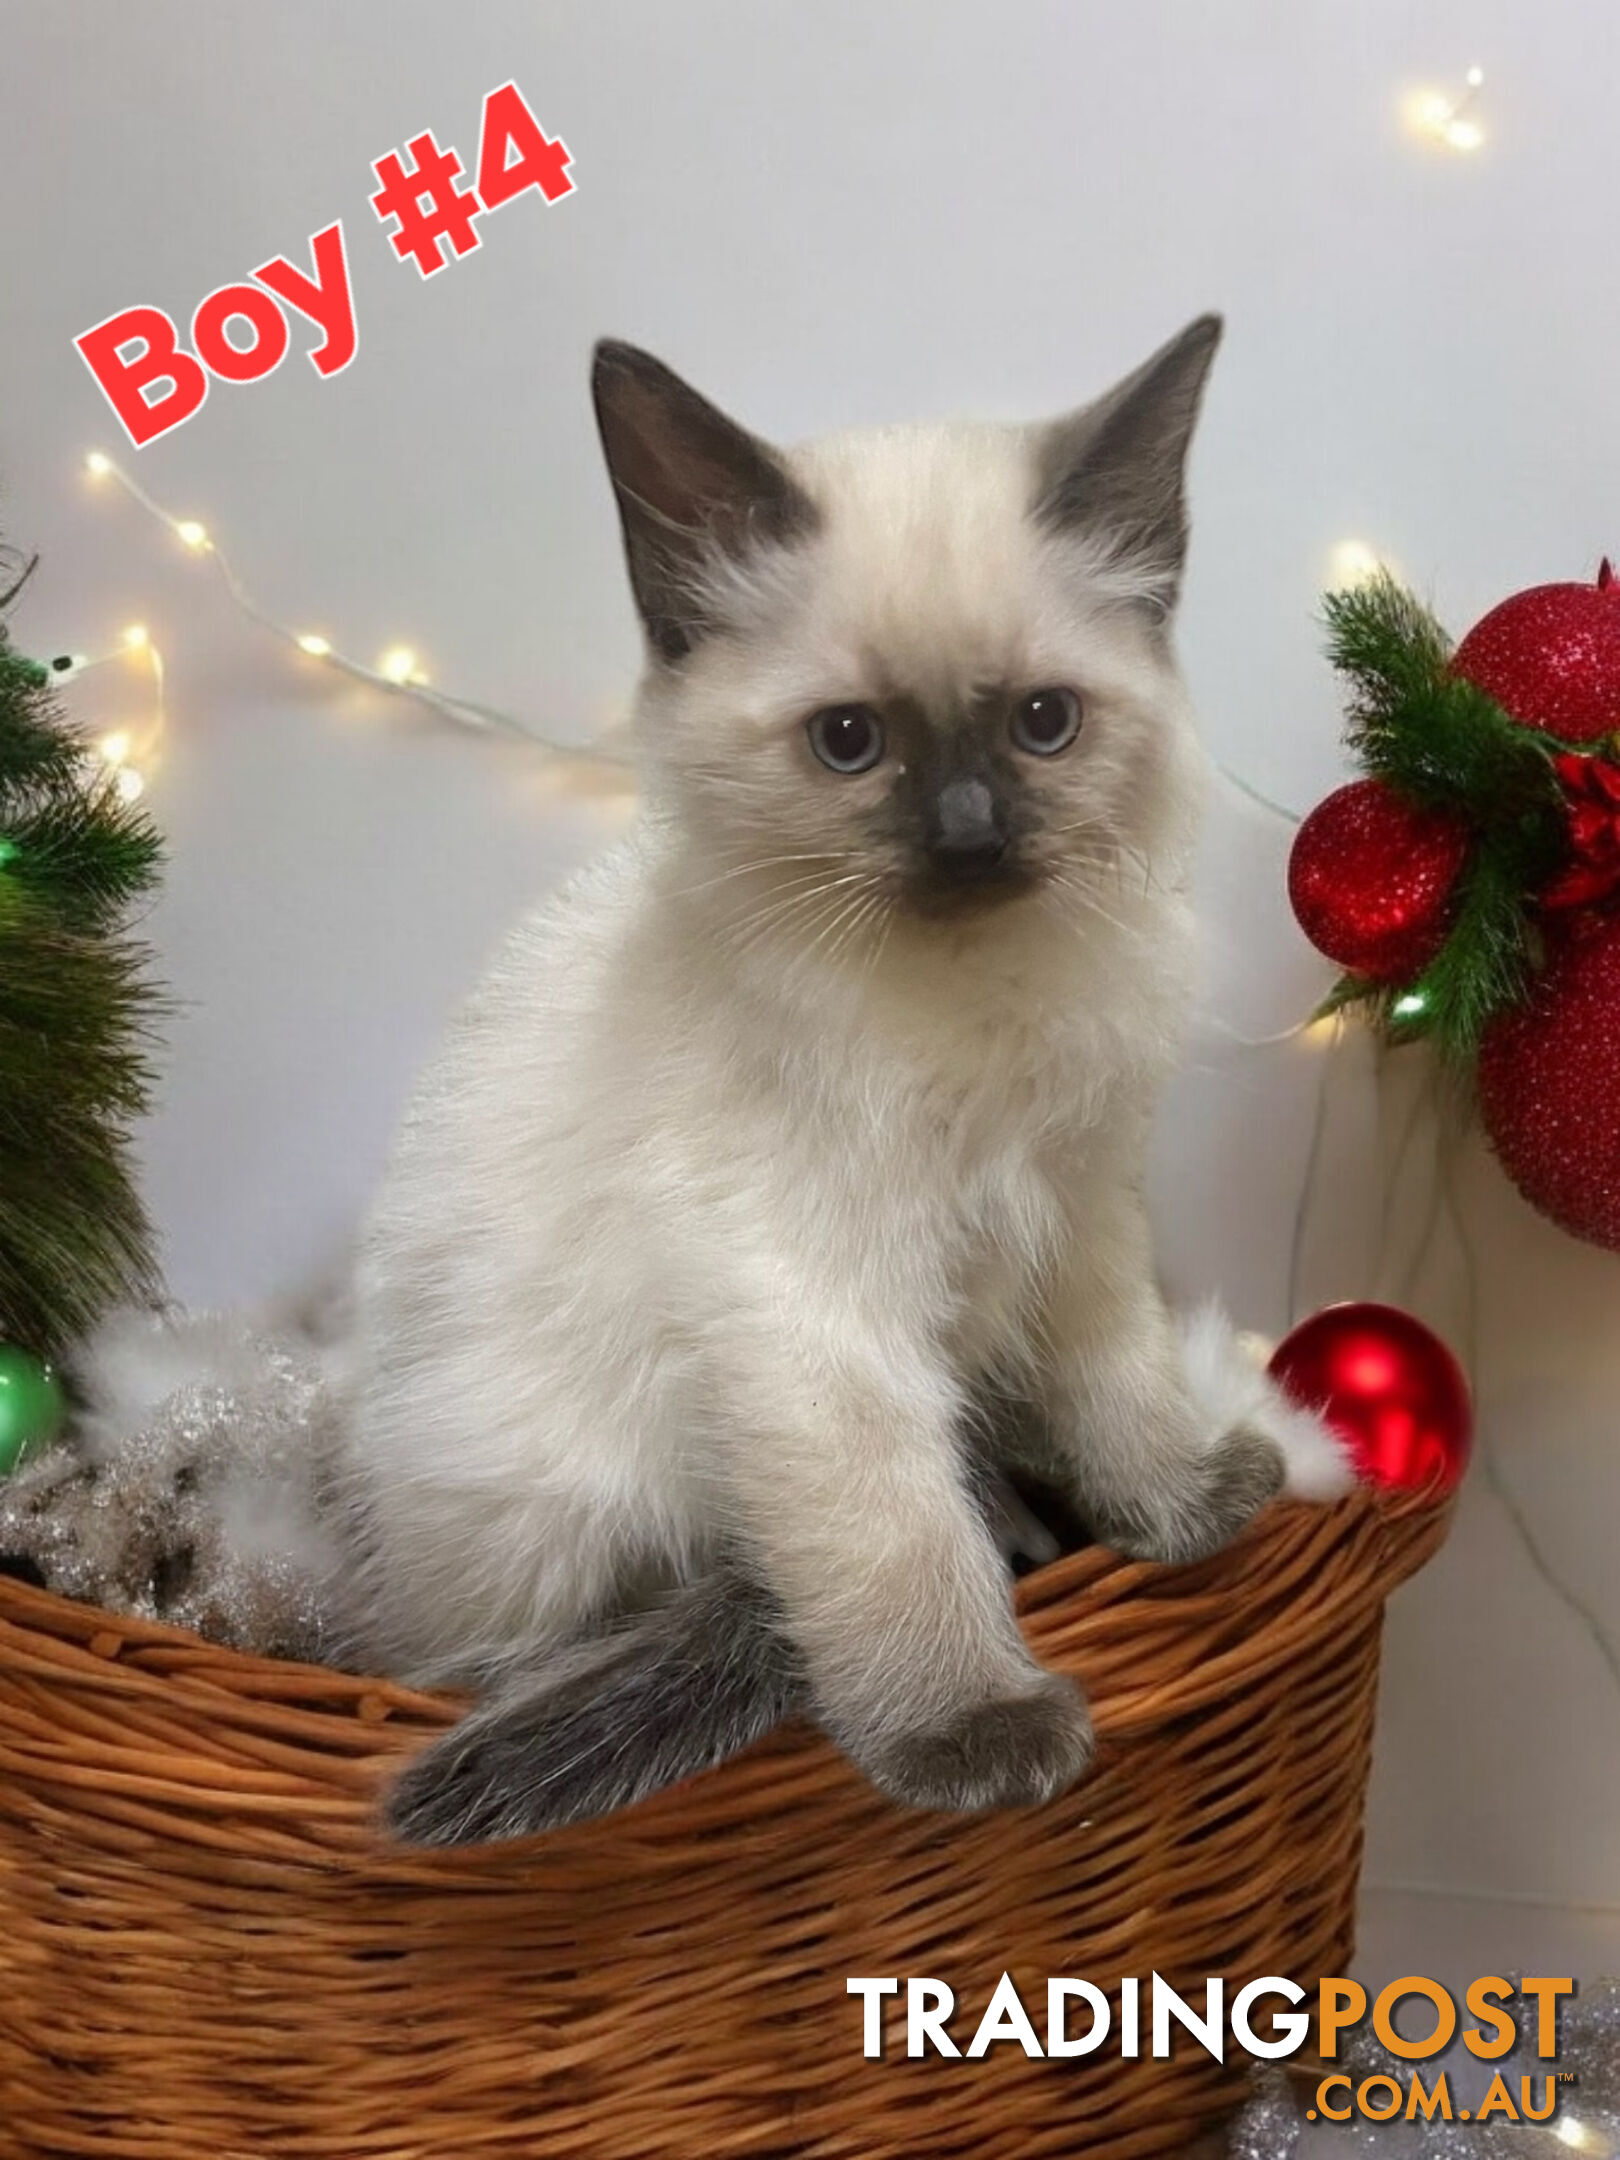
point(784, 1178)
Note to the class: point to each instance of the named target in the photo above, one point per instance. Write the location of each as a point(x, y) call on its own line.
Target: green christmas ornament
point(32, 1406)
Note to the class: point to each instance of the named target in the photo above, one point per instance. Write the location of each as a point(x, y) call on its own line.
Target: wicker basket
point(205, 1953)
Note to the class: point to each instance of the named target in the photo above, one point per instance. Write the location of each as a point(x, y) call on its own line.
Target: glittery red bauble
point(1549, 1084)
point(1389, 1388)
point(1370, 879)
point(1551, 657)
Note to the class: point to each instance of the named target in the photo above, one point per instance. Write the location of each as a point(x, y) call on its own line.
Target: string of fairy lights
point(130, 752)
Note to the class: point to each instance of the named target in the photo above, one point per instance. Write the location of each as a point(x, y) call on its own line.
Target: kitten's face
point(901, 673)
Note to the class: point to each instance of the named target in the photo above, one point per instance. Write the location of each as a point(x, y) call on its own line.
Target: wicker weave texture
point(205, 1953)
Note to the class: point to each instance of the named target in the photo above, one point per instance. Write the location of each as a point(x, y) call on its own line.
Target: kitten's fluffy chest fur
point(951, 1100)
point(943, 1095)
point(645, 1149)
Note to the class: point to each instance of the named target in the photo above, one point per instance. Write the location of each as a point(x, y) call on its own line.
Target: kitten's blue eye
point(846, 738)
point(1046, 722)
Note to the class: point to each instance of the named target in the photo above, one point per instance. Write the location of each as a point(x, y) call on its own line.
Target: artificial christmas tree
point(76, 1008)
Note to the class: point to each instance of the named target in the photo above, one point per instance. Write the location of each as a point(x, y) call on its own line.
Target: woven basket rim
point(1400, 1511)
point(1151, 1642)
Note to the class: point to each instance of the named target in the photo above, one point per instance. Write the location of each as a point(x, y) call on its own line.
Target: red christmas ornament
point(1549, 1084)
point(1389, 1388)
point(1370, 878)
point(1551, 657)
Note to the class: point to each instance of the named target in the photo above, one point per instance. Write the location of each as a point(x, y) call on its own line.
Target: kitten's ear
point(1115, 469)
point(690, 484)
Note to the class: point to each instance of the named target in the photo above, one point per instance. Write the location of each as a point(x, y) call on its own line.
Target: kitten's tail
point(666, 1694)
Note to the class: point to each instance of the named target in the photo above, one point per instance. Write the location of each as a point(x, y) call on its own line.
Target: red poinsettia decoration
point(1592, 799)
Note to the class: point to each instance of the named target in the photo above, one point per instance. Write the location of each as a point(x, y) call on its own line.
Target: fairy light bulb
point(1571, 2131)
point(316, 646)
point(398, 664)
point(131, 787)
point(193, 534)
point(1352, 563)
point(97, 464)
point(1409, 1006)
point(114, 749)
point(1449, 121)
point(135, 637)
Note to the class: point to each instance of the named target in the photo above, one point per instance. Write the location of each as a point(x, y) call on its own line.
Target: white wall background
point(831, 214)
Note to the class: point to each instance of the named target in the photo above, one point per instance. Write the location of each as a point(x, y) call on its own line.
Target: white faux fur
point(135, 1361)
point(1235, 1390)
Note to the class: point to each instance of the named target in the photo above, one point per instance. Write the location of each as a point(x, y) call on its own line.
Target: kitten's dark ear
point(1116, 468)
point(690, 483)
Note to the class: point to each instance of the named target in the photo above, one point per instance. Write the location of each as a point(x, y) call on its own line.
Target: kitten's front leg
point(1152, 1474)
point(851, 1495)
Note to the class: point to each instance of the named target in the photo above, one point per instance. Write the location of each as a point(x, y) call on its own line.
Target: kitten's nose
point(967, 815)
point(968, 839)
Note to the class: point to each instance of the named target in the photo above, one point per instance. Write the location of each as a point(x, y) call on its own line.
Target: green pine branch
point(1431, 736)
point(86, 855)
point(1489, 959)
point(1439, 742)
point(34, 752)
point(77, 1014)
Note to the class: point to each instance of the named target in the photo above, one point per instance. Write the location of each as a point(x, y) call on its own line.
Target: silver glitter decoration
point(1272, 2123)
point(1450, 2141)
point(205, 1514)
point(1268, 2126)
point(1590, 2045)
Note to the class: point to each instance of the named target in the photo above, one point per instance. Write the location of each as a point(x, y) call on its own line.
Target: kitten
point(785, 1175)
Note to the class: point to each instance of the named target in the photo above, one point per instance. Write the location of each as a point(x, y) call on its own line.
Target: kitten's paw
point(1216, 1495)
point(1231, 1389)
point(1015, 1752)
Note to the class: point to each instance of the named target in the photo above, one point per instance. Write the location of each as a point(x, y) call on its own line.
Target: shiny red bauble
point(1549, 1084)
point(1551, 657)
point(1371, 877)
point(1389, 1388)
